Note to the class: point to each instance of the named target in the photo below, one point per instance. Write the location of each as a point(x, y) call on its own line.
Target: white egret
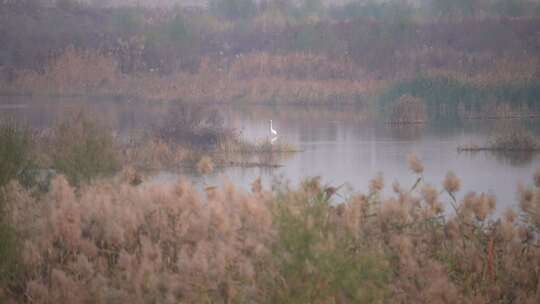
point(272, 131)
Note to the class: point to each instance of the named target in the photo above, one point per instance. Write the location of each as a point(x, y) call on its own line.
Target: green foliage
point(14, 151)
point(67, 4)
point(14, 161)
point(307, 38)
point(515, 8)
point(510, 8)
point(374, 44)
point(455, 8)
point(83, 150)
point(10, 264)
point(311, 8)
point(313, 38)
point(385, 11)
point(451, 92)
point(128, 21)
point(318, 261)
point(178, 30)
point(233, 9)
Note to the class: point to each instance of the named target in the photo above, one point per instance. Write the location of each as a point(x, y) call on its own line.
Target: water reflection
point(341, 144)
point(408, 132)
point(515, 158)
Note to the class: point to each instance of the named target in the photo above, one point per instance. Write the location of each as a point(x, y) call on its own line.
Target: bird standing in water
point(272, 131)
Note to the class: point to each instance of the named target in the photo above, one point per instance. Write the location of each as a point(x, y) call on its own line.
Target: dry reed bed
point(296, 66)
point(264, 78)
point(295, 78)
point(255, 78)
point(111, 241)
point(223, 89)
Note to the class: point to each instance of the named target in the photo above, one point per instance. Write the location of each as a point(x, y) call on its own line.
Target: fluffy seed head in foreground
point(451, 182)
point(526, 198)
point(479, 205)
point(415, 165)
point(376, 184)
point(205, 166)
point(510, 215)
point(430, 194)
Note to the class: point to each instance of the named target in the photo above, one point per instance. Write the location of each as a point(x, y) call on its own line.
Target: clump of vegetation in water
point(239, 145)
point(507, 139)
point(191, 130)
point(514, 139)
point(194, 126)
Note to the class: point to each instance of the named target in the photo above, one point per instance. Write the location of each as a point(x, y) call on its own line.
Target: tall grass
point(112, 241)
point(15, 150)
point(83, 150)
point(318, 259)
point(15, 162)
point(257, 78)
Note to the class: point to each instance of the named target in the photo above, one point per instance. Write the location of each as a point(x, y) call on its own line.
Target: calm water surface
point(342, 145)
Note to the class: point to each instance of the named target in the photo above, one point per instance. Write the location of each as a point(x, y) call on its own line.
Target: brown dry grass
point(258, 78)
point(111, 241)
point(75, 72)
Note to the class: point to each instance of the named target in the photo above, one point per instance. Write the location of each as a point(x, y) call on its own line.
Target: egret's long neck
point(271, 125)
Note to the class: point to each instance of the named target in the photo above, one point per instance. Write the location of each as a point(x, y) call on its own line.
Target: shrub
point(317, 259)
point(15, 159)
point(82, 150)
point(513, 139)
point(15, 142)
point(530, 204)
point(192, 125)
point(10, 262)
point(233, 9)
point(178, 30)
point(67, 4)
